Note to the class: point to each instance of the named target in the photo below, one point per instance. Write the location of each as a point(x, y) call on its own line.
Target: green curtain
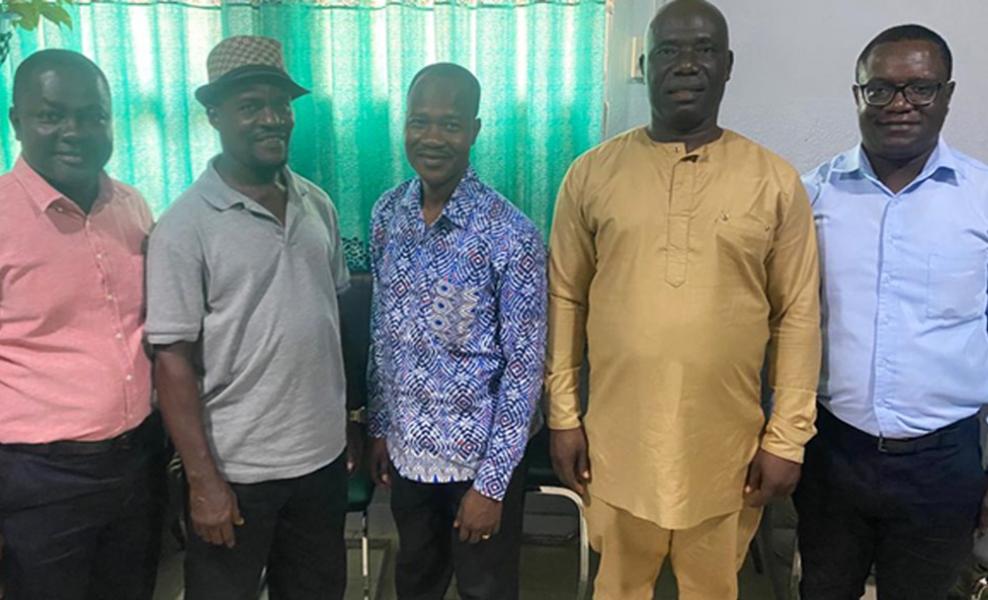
point(540, 62)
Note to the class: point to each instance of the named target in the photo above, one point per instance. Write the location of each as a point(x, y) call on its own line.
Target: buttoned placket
point(107, 282)
point(682, 195)
point(887, 319)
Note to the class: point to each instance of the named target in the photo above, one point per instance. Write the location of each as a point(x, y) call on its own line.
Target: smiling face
point(62, 119)
point(255, 123)
point(900, 130)
point(440, 129)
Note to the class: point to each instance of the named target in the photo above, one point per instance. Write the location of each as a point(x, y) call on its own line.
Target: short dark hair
point(907, 33)
point(457, 74)
point(52, 58)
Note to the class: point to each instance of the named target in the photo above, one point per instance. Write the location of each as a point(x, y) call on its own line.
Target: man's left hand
point(354, 447)
point(770, 477)
point(479, 517)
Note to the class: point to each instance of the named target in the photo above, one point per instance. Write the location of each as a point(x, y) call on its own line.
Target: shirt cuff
point(563, 411)
point(777, 446)
point(791, 425)
point(377, 424)
point(164, 339)
point(491, 480)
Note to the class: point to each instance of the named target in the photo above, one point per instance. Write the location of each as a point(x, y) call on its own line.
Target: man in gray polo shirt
point(243, 276)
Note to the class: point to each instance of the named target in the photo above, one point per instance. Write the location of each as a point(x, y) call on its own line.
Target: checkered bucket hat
point(245, 57)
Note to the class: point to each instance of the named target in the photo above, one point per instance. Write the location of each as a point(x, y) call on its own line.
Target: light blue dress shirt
point(904, 280)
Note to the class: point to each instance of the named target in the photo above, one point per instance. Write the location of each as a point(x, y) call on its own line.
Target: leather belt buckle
point(892, 446)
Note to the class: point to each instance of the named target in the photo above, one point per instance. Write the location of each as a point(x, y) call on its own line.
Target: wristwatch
point(357, 415)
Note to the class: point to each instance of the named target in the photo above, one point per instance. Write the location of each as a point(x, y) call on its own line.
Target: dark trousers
point(430, 551)
point(83, 527)
point(910, 515)
point(292, 527)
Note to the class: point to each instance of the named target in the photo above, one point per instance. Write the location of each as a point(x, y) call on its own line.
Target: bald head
point(687, 64)
point(455, 80)
point(680, 11)
point(54, 59)
point(61, 116)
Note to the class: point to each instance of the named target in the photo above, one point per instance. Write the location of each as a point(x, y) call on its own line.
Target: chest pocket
point(452, 311)
point(742, 245)
point(955, 286)
point(746, 235)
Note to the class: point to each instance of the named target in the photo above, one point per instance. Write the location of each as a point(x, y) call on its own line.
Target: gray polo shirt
point(262, 299)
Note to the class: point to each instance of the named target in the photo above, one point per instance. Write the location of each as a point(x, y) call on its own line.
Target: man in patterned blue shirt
point(458, 342)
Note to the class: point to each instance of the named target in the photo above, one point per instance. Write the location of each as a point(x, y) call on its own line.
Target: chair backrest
point(355, 319)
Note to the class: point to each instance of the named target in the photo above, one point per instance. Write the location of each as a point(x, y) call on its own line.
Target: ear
point(15, 122)
point(730, 64)
point(949, 90)
point(213, 115)
point(856, 92)
point(476, 131)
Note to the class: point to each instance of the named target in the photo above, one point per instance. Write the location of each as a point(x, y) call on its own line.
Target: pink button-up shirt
point(72, 366)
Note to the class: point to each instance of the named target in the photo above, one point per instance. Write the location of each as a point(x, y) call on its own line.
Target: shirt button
point(119, 336)
point(99, 256)
point(129, 377)
point(109, 296)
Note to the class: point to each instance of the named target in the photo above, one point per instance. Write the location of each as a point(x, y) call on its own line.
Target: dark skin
point(899, 138)
point(687, 64)
point(62, 120)
point(255, 122)
point(440, 130)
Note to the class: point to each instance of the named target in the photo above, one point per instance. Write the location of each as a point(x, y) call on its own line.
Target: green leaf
point(56, 14)
point(28, 14)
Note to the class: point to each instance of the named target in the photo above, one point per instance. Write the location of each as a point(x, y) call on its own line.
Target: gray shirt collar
point(222, 197)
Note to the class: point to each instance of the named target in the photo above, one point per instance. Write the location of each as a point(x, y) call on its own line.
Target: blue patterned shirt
point(458, 328)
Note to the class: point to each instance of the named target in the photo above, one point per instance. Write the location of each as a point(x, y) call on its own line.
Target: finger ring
point(486, 536)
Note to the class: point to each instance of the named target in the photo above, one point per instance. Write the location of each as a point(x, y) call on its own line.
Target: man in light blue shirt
point(894, 479)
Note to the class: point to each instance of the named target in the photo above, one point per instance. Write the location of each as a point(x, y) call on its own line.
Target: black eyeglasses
point(917, 93)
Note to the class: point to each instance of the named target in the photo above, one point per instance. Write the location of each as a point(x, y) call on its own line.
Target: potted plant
point(26, 14)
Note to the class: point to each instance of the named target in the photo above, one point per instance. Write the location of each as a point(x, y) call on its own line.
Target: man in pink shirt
point(79, 447)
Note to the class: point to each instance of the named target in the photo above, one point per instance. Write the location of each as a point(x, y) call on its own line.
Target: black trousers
point(430, 552)
point(911, 516)
point(293, 527)
point(82, 527)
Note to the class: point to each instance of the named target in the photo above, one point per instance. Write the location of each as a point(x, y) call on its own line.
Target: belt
point(125, 441)
point(957, 433)
point(948, 436)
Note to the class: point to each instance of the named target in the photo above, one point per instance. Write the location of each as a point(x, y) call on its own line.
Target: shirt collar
point(44, 195)
point(461, 204)
point(222, 197)
point(855, 161)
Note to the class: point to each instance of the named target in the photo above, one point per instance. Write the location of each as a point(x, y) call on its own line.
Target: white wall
point(794, 65)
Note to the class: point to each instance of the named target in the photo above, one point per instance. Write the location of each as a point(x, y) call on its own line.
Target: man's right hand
point(380, 462)
point(570, 459)
point(213, 511)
